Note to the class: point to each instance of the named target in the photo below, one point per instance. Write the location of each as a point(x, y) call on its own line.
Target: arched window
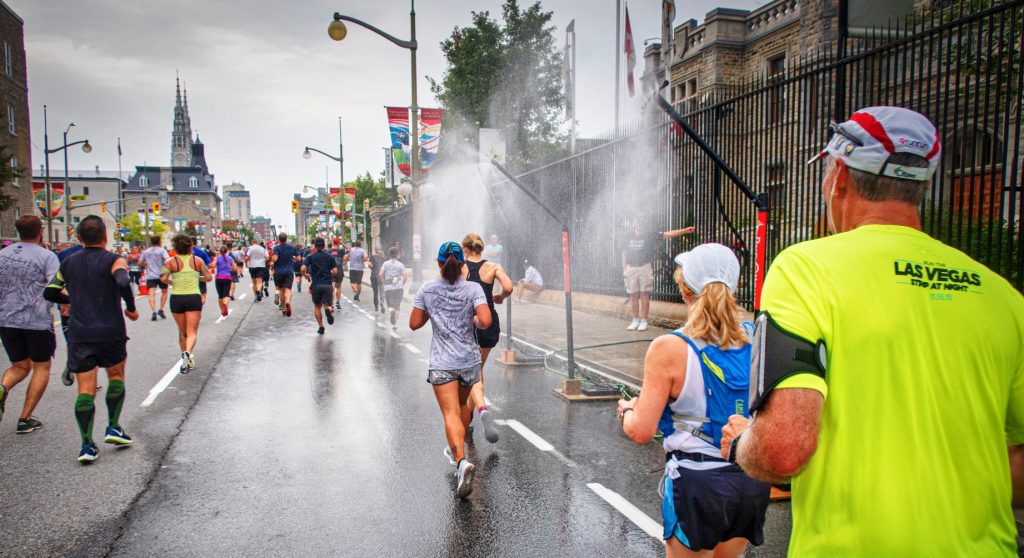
point(193, 182)
point(144, 182)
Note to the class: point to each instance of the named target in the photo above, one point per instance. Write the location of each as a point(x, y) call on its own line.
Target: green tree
point(136, 233)
point(369, 189)
point(7, 176)
point(504, 75)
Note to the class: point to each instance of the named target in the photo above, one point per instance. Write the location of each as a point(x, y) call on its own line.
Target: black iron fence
point(959, 65)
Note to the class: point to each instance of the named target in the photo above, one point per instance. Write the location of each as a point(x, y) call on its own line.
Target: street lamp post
point(46, 156)
point(338, 32)
point(340, 159)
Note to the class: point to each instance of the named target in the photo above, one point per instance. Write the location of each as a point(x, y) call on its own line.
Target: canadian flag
point(630, 56)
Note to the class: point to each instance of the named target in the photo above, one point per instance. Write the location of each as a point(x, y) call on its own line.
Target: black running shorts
point(223, 287)
point(154, 283)
point(323, 295)
point(337, 279)
point(284, 281)
point(258, 272)
point(35, 344)
point(187, 303)
point(704, 508)
point(488, 338)
point(355, 276)
point(83, 357)
point(393, 298)
point(202, 287)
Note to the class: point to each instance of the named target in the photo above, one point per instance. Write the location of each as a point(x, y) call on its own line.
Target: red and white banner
point(630, 55)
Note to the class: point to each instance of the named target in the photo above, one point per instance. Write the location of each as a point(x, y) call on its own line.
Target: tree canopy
point(505, 75)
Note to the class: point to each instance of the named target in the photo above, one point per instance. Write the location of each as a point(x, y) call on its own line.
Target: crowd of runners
point(894, 409)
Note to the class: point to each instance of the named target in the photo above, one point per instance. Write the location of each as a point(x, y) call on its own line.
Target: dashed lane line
point(530, 435)
point(243, 295)
point(633, 513)
point(162, 384)
point(412, 349)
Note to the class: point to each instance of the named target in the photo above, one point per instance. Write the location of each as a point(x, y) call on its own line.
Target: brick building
point(14, 136)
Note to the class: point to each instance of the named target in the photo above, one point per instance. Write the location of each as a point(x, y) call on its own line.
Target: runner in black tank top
point(476, 269)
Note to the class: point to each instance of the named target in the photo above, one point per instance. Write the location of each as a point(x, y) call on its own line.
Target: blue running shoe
point(88, 454)
point(117, 436)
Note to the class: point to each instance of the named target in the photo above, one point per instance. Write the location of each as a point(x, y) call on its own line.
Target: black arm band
point(55, 295)
point(778, 354)
point(124, 284)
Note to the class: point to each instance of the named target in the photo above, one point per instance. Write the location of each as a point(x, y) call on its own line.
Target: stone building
point(186, 190)
point(15, 137)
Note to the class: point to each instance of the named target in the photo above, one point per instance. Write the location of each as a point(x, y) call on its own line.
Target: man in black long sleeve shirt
point(95, 280)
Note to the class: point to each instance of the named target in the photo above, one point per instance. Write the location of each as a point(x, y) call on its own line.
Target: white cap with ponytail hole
point(709, 263)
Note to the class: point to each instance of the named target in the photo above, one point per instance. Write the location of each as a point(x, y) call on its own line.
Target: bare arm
point(665, 357)
point(505, 282)
point(418, 318)
point(204, 272)
point(1017, 474)
point(678, 232)
point(483, 316)
point(781, 439)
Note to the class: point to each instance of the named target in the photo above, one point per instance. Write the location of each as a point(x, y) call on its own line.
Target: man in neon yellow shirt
point(889, 368)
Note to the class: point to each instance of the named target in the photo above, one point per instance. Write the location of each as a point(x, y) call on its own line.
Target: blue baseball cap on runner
point(450, 249)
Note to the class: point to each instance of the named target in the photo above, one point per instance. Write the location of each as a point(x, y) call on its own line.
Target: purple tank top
point(223, 267)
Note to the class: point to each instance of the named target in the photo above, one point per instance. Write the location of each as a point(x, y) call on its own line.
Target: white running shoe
point(490, 429)
point(633, 325)
point(448, 454)
point(465, 483)
point(642, 326)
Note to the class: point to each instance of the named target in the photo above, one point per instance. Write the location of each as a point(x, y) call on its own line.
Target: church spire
point(181, 137)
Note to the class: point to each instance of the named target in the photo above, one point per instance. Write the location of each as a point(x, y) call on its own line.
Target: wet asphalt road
point(288, 443)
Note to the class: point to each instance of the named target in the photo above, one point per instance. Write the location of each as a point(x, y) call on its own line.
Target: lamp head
point(86, 147)
point(336, 29)
point(170, 187)
point(306, 154)
point(404, 189)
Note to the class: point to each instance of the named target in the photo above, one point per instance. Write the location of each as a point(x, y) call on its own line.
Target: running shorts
point(323, 295)
point(202, 287)
point(284, 281)
point(83, 357)
point(704, 508)
point(154, 283)
point(355, 276)
point(234, 276)
point(337, 279)
point(465, 376)
point(393, 298)
point(223, 287)
point(35, 344)
point(258, 272)
point(186, 303)
point(488, 338)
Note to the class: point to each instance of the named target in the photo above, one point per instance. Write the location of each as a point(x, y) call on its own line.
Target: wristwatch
point(734, 447)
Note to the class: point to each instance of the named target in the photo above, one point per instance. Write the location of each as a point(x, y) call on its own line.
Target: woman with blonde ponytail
point(694, 379)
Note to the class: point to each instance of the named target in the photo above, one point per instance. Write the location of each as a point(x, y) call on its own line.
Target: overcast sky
point(264, 79)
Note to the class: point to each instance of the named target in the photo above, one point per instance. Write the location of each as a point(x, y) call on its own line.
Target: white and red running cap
point(709, 263)
point(872, 135)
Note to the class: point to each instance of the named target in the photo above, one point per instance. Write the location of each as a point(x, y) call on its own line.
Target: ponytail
point(714, 316)
point(451, 271)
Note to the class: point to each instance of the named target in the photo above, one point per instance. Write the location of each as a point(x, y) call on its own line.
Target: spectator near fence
point(890, 368)
point(639, 250)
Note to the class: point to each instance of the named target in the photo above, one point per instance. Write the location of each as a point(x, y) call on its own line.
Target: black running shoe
point(3, 400)
point(161, 314)
point(320, 330)
point(259, 297)
point(330, 316)
point(356, 297)
point(153, 319)
point(66, 377)
point(232, 297)
point(277, 300)
point(31, 424)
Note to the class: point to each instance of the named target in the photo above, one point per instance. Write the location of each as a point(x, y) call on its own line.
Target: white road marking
point(633, 513)
point(530, 435)
point(162, 384)
point(394, 335)
point(222, 318)
point(243, 295)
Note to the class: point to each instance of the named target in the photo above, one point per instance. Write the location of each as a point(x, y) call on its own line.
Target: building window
point(144, 182)
point(193, 182)
point(14, 168)
point(777, 95)
point(85, 190)
point(10, 121)
point(8, 60)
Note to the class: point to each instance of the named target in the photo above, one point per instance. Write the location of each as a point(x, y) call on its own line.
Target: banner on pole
point(398, 121)
point(349, 201)
point(430, 136)
point(334, 196)
point(56, 198)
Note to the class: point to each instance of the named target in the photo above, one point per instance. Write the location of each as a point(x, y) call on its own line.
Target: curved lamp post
point(46, 155)
point(338, 31)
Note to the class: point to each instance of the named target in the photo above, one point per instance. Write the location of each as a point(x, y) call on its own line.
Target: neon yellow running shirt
point(924, 390)
point(186, 281)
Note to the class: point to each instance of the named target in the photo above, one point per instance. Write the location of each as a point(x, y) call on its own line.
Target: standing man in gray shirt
point(26, 325)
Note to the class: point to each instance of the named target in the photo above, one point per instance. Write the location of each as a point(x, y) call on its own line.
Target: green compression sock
point(115, 400)
point(84, 411)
